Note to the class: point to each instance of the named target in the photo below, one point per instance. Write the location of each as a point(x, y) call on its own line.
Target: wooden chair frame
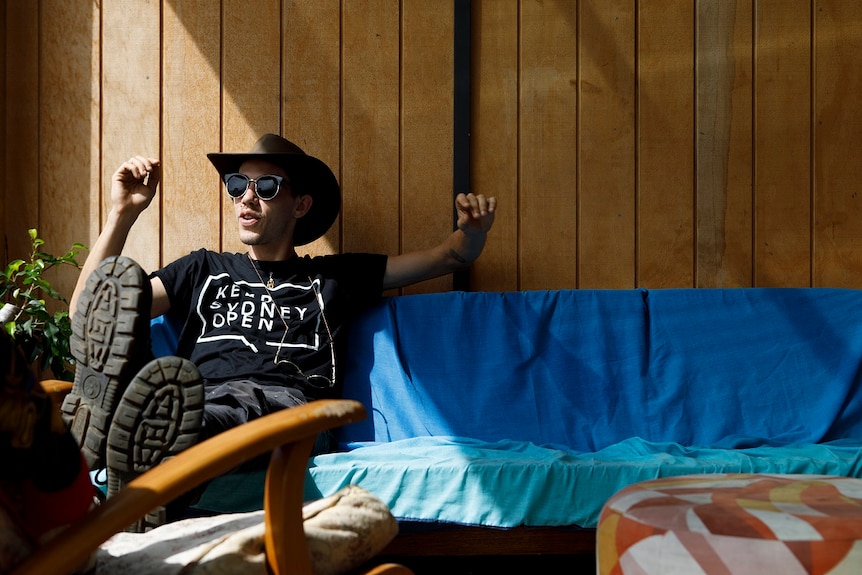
point(289, 435)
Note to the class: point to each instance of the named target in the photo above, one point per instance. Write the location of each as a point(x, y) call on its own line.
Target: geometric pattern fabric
point(733, 524)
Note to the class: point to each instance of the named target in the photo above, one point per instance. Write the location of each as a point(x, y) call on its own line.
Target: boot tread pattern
point(110, 342)
point(159, 416)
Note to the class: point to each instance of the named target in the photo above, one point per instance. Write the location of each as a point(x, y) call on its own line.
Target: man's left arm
point(459, 250)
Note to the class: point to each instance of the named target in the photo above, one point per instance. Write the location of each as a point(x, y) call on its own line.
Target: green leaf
point(27, 327)
point(51, 331)
point(13, 267)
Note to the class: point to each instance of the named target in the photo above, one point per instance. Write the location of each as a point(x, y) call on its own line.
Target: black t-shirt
point(232, 323)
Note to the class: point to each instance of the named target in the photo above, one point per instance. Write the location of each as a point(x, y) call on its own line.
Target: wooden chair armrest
point(389, 569)
point(56, 389)
point(289, 434)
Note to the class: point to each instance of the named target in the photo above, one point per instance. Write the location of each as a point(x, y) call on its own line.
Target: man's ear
point(303, 204)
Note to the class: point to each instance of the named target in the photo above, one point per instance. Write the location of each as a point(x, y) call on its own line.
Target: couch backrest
point(584, 369)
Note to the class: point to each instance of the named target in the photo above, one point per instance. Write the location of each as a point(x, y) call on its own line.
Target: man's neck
point(272, 253)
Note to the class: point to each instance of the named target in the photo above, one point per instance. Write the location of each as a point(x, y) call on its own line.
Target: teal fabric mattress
point(509, 483)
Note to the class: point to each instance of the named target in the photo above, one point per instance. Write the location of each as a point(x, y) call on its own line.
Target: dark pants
point(229, 404)
point(233, 403)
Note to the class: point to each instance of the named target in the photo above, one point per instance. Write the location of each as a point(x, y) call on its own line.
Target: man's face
point(263, 222)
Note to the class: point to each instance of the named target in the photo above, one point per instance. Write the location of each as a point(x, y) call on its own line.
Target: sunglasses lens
point(236, 185)
point(266, 187)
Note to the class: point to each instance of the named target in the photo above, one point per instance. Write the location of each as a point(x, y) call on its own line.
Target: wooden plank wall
point(655, 143)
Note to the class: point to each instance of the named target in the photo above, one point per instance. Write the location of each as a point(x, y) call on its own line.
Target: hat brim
point(308, 176)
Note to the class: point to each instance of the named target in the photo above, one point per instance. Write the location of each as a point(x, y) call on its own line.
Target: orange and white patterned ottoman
point(740, 524)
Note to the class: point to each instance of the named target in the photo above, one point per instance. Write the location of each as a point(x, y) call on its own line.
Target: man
point(263, 330)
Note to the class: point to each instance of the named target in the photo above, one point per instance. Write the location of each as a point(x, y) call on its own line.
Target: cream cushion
point(343, 531)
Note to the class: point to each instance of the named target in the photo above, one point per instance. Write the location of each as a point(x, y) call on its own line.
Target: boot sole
point(158, 416)
point(110, 343)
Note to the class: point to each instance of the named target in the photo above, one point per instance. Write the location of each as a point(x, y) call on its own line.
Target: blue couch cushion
point(584, 370)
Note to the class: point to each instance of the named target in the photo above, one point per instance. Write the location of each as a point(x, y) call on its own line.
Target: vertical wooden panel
point(427, 85)
point(68, 125)
point(837, 137)
point(494, 137)
point(251, 84)
point(665, 222)
point(607, 142)
point(370, 140)
point(783, 144)
point(191, 193)
point(21, 208)
point(548, 145)
point(311, 90)
point(131, 77)
point(724, 150)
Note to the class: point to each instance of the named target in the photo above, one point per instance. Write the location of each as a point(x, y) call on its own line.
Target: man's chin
point(248, 238)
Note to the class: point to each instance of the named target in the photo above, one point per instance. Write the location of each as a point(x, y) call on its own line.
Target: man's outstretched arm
point(459, 250)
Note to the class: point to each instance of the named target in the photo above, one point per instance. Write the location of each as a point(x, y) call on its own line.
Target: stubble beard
point(250, 238)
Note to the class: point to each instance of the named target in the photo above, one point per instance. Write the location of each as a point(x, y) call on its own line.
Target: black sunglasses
point(265, 187)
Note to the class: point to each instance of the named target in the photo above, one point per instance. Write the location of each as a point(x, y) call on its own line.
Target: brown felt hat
point(308, 176)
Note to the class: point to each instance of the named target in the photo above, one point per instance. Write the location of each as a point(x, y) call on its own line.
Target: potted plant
point(43, 335)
